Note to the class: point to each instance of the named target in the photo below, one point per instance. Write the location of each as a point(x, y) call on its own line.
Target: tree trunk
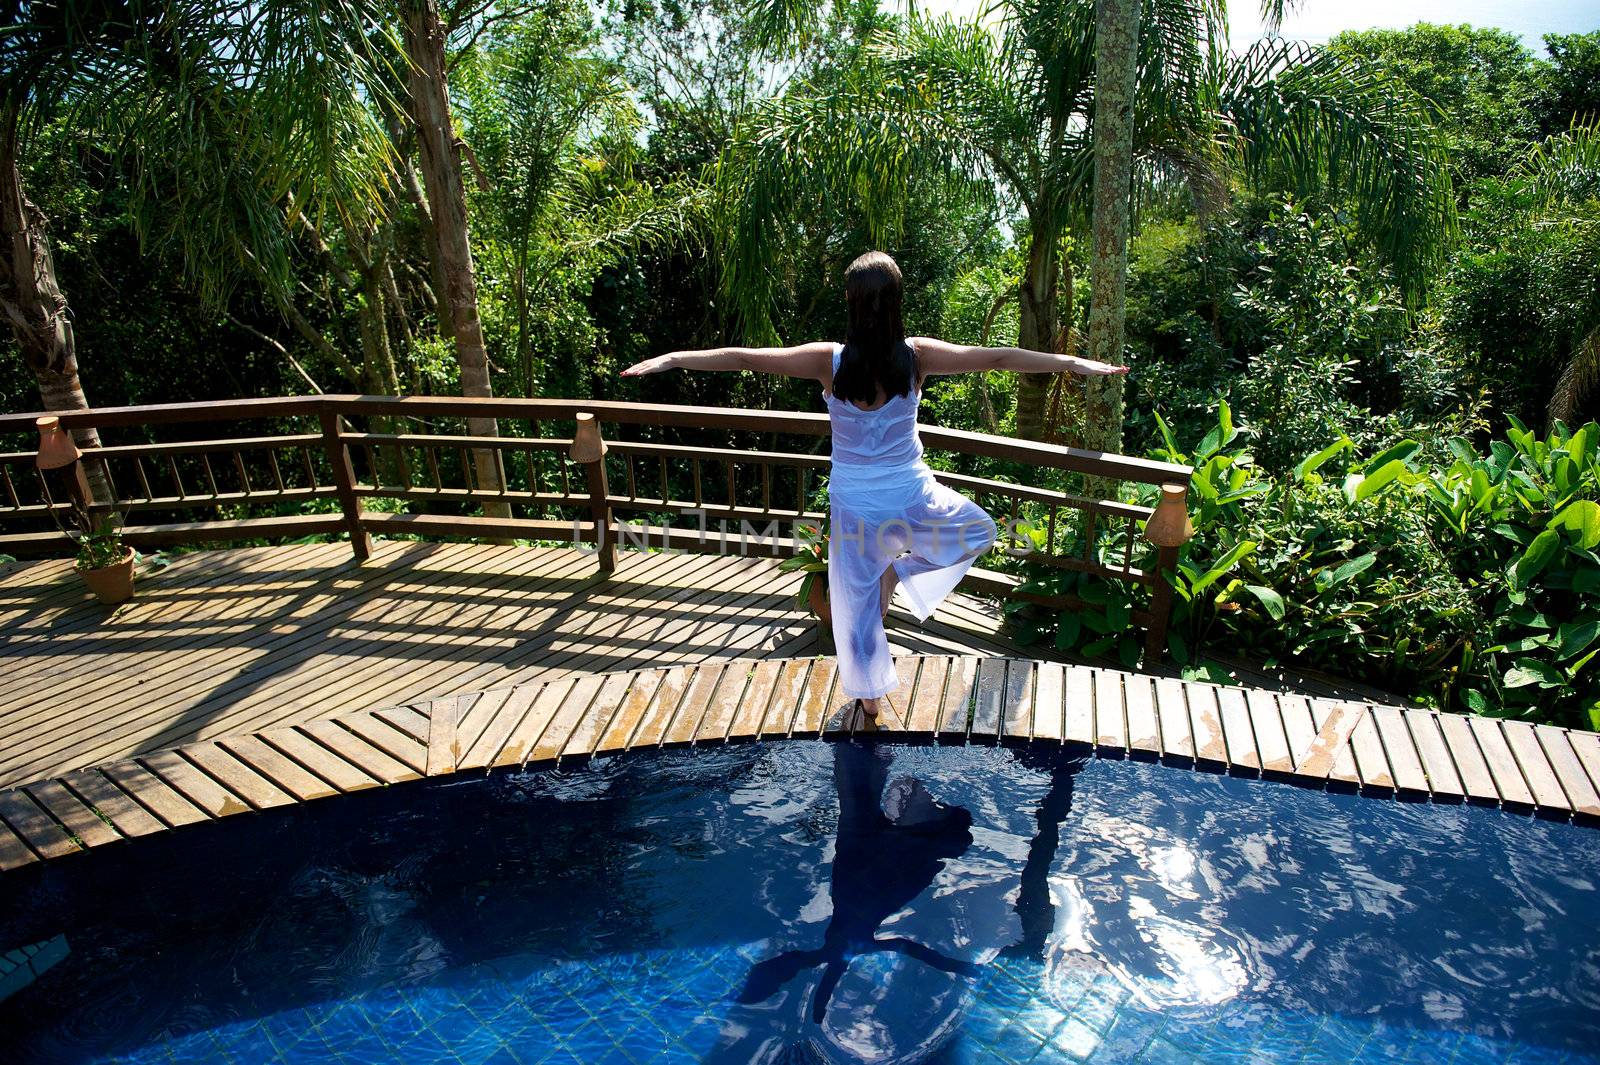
point(1037, 325)
point(1116, 70)
point(447, 204)
point(31, 300)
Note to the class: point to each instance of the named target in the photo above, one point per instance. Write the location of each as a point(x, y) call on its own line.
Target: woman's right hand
point(649, 366)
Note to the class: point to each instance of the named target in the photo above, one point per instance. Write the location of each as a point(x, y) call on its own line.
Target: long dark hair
point(875, 349)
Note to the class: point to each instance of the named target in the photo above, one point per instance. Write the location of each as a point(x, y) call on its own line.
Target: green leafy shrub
point(1452, 578)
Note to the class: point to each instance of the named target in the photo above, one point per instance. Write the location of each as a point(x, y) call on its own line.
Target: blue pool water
point(757, 904)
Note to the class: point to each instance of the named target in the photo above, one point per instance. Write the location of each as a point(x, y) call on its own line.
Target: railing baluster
point(665, 495)
point(694, 466)
point(1127, 545)
point(430, 452)
point(11, 489)
point(277, 473)
point(345, 483)
point(403, 464)
point(467, 470)
point(1089, 516)
point(533, 470)
point(627, 465)
point(1050, 532)
point(766, 487)
point(311, 467)
point(211, 479)
point(731, 503)
point(177, 481)
point(372, 464)
point(800, 491)
point(1016, 532)
point(244, 477)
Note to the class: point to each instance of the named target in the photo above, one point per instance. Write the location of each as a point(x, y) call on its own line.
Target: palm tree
point(1561, 178)
point(232, 119)
point(1011, 100)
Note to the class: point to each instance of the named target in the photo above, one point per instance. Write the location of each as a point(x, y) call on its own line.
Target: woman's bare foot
point(886, 587)
point(869, 714)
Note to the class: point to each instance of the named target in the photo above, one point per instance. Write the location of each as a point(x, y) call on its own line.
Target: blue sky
point(1317, 20)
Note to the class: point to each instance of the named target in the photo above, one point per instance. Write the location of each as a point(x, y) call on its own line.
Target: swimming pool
point(752, 904)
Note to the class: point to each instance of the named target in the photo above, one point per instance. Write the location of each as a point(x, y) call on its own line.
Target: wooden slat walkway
point(238, 641)
point(965, 699)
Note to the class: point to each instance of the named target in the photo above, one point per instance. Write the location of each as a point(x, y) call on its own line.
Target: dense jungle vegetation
point(1362, 287)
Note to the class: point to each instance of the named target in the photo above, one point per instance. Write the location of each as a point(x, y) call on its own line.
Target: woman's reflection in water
point(893, 840)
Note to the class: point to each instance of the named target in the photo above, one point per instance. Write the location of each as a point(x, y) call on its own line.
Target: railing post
point(589, 448)
point(1169, 529)
point(344, 481)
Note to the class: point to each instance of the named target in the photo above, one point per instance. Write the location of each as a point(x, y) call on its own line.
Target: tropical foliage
point(1362, 295)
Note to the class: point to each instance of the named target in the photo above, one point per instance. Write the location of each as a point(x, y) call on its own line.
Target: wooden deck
point(238, 641)
point(948, 699)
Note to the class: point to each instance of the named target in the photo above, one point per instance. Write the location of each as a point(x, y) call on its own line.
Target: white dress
point(886, 508)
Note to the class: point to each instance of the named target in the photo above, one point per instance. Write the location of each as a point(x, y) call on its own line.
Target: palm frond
point(1578, 379)
point(1564, 169)
point(1314, 123)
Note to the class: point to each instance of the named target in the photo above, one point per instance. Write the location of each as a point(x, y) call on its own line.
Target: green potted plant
point(811, 559)
point(105, 562)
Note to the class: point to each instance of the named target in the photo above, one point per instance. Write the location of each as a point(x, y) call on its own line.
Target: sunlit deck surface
point(239, 640)
point(243, 679)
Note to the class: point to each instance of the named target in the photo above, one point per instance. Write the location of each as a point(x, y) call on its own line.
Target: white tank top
point(877, 454)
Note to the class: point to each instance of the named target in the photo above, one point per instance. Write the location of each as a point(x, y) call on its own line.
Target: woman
point(891, 522)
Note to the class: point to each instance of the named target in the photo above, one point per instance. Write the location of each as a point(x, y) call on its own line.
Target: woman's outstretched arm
point(936, 356)
point(804, 360)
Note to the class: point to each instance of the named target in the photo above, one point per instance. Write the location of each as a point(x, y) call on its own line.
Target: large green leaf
point(1221, 567)
point(1270, 600)
point(1535, 558)
point(1582, 518)
point(1312, 463)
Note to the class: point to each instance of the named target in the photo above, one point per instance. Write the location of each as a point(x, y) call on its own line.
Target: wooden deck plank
point(1078, 710)
point(988, 700)
point(1401, 750)
point(786, 695)
point(79, 818)
point(752, 708)
point(1172, 709)
point(1536, 771)
point(696, 701)
point(401, 746)
point(630, 712)
point(1016, 723)
point(1144, 729)
point(304, 751)
point(29, 821)
point(1330, 757)
point(724, 705)
point(817, 701)
point(923, 717)
point(198, 787)
point(14, 853)
point(1205, 718)
point(414, 721)
point(440, 727)
point(1443, 780)
point(477, 718)
point(1582, 796)
point(960, 688)
point(1586, 745)
point(574, 703)
point(239, 777)
point(129, 817)
point(284, 773)
point(1272, 739)
point(358, 751)
point(525, 735)
point(584, 738)
point(663, 708)
point(1237, 732)
point(1110, 711)
point(1468, 759)
point(1371, 760)
point(895, 709)
point(1298, 726)
point(154, 794)
point(513, 705)
point(1502, 763)
point(1047, 718)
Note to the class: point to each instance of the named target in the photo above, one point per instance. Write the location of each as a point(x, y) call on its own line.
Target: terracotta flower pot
point(114, 583)
point(817, 598)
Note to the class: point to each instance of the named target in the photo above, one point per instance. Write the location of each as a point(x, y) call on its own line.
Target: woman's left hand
point(655, 365)
point(1092, 368)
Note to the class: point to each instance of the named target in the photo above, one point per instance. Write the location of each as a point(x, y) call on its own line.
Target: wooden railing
point(587, 471)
